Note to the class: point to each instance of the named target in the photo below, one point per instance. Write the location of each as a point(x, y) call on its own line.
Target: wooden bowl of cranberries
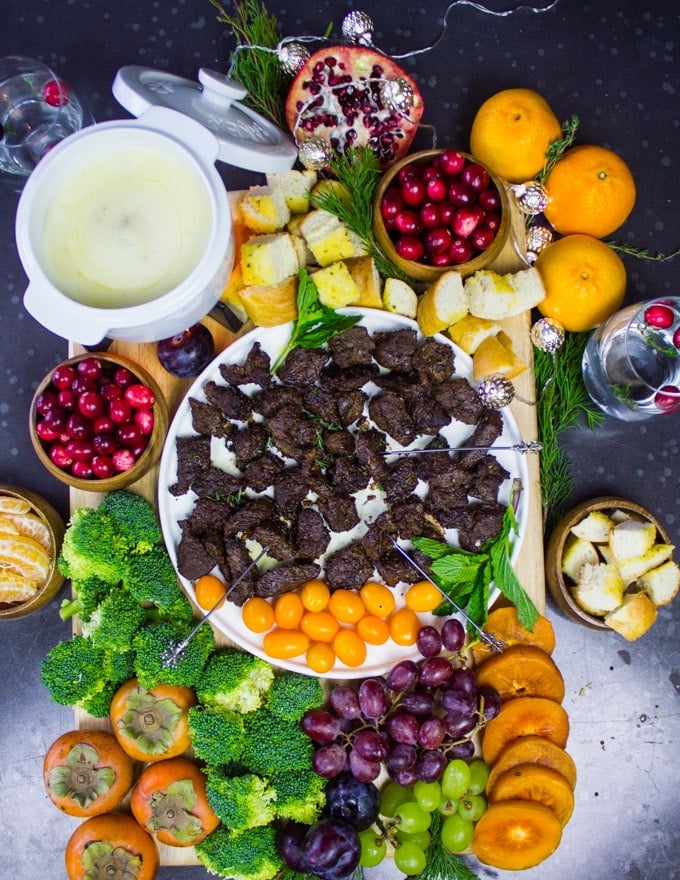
point(440, 210)
point(98, 422)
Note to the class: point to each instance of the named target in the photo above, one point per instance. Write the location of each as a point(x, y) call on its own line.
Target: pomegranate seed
point(659, 316)
point(667, 399)
point(55, 93)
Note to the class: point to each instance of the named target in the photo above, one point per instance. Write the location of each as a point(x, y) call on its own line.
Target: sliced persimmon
point(521, 717)
point(534, 782)
point(504, 623)
point(516, 834)
point(536, 749)
point(522, 671)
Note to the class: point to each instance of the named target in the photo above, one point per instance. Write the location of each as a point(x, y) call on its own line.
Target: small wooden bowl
point(423, 271)
point(49, 516)
point(146, 460)
point(558, 586)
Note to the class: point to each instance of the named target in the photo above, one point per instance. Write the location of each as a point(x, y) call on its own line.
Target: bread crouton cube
point(594, 528)
point(399, 298)
point(495, 356)
point(599, 589)
point(336, 286)
point(442, 304)
point(263, 209)
point(295, 187)
point(328, 239)
point(493, 296)
point(576, 554)
point(273, 304)
point(268, 259)
point(631, 538)
point(470, 331)
point(633, 617)
point(633, 568)
point(367, 278)
point(661, 583)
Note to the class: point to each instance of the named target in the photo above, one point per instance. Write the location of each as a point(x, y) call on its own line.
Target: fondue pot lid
point(246, 139)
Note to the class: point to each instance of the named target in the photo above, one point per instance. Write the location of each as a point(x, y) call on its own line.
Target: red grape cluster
point(413, 721)
point(94, 418)
point(444, 213)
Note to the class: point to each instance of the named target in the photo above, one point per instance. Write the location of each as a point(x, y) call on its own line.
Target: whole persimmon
point(112, 844)
point(151, 723)
point(87, 773)
point(169, 800)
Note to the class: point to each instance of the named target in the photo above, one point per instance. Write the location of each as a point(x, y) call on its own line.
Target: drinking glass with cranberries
point(440, 210)
point(97, 422)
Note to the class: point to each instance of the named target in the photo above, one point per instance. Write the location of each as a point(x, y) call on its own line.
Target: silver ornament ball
point(397, 95)
point(357, 27)
point(292, 56)
point(547, 335)
point(538, 238)
point(531, 197)
point(496, 392)
point(314, 153)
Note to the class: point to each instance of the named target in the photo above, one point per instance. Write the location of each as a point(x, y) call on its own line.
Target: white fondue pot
point(96, 244)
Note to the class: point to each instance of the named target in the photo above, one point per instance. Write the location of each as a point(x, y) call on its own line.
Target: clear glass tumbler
point(631, 364)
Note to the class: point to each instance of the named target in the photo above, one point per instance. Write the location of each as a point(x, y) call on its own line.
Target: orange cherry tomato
point(378, 599)
point(166, 813)
point(137, 853)
point(315, 595)
point(258, 614)
point(288, 611)
point(373, 630)
point(349, 647)
point(282, 644)
point(208, 591)
point(346, 606)
point(320, 657)
point(404, 626)
point(151, 723)
point(86, 772)
point(423, 596)
point(320, 626)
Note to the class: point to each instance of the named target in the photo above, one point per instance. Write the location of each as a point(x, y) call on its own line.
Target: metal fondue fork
point(174, 651)
point(493, 641)
point(523, 448)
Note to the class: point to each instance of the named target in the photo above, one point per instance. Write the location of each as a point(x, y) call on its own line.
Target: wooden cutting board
point(530, 564)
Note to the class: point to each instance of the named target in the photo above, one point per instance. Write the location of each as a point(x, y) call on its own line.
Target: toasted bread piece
point(471, 331)
point(599, 589)
point(595, 527)
point(495, 356)
point(328, 239)
point(263, 209)
point(661, 583)
point(269, 305)
point(268, 259)
point(633, 617)
point(399, 298)
point(577, 553)
point(295, 187)
point(495, 296)
point(631, 538)
point(633, 568)
point(367, 278)
point(442, 304)
point(336, 286)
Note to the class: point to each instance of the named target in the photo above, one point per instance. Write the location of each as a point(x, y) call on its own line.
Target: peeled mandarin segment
point(521, 717)
point(7, 527)
point(536, 749)
point(516, 834)
point(8, 504)
point(522, 671)
point(26, 556)
point(535, 782)
point(14, 587)
point(31, 525)
point(504, 623)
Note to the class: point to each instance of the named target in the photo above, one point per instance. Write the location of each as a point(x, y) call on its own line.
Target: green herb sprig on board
point(315, 323)
point(465, 577)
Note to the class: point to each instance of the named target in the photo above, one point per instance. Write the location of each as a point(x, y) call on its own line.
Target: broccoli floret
point(152, 644)
point(292, 694)
point(119, 666)
point(92, 546)
point(150, 577)
point(88, 594)
point(300, 795)
point(272, 744)
point(216, 736)
point(73, 671)
point(250, 855)
point(99, 704)
point(115, 621)
point(135, 519)
point(241, 802)
point(234, 681)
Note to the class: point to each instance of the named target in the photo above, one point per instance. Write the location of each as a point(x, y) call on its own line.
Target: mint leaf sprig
point(465, 577)
point(315, 323)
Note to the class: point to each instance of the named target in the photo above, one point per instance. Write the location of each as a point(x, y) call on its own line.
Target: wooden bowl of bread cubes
point(610, 566)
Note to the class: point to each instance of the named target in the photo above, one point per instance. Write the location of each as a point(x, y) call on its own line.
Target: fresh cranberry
point(476, 176)
point(104, 444)
point(492, 221)
point(489, 199)
point(407, 173)
point(430, 215)
point(120, 411)
point(55, 93)
point(442, 259)
point(80, 450)
point(67, 399)
point(63, 376)
point(46, 401)
point(409, 247)
point(128, 435)
point(452, 162)
point(667, 399)
point(481, 238)
point(392, 202)
point(466, 220)
point(123, 377)
point(59, 456)
point(102, 466)
point(55, 419)
point(78, 426)
point(138, 450)
point(659, 316)
point(45, 433)
point(90, 367)
point(408, 223)
point(103, 425)
point(123, 460)
point(413, 191)
point(91, 405)
point(436, 189)
point(82, 469)
point(144, 419)
point(139, 396)
point(460, 250)
point(110, 391)
point(437, 240)
point(461, 194)
point(81, 384)
point(446, 212)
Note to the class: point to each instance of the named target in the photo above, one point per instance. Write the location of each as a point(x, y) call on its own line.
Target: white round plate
point(173, 509)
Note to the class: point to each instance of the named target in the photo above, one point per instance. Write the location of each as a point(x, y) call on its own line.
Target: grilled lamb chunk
point(394, 569)
point(350, 406)
point(285, 577)
point(207, 419)
point(489, 428)
point(215, 483)
point(428, 416)
point(272, 399)
point(236, 560)
point(340, 512)
point(231, 401)
point(389, 413)
point(480, 523)
point(302, 366)
point(348, 569)
point(270, 534)
point(352, 347)
point(310, 534)
point(487, 478)
point(411, 520)
point(405, 385)
point(193, 457)
point(447, 506)
point(348, 379)
point(376, 542)
point(207, 515)
point(449, 474)
point(193, 560)
point(337, 442)
point(249, 443)
point(261, 472)
point(459, 399)
point(322, 403)
point(292, 431)
point(255, 369)
point(395, 349)
point(370, 446)
point(290, 488)
point(433, 360)
point(244, 519)
point(401, 478)
point(348, 475)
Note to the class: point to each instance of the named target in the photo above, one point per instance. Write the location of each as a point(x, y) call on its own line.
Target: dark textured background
point(612, 64)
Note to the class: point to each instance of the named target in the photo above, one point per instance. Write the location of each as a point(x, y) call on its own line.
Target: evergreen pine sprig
point(643, 253)
point(442, 864)
point(257, 69)
point(558, 148)
point(357, 172)
point(562, 400)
